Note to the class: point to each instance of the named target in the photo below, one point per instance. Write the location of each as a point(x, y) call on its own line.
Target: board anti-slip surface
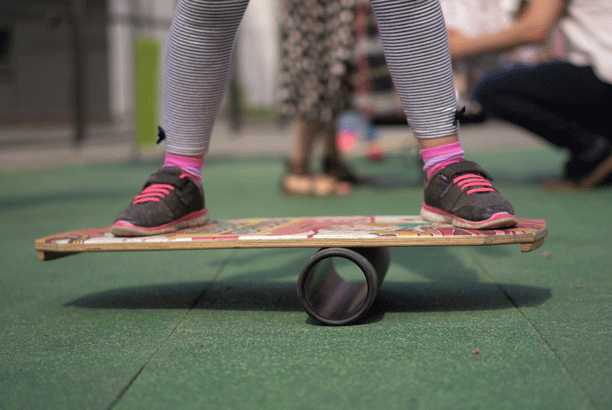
point(350, 231)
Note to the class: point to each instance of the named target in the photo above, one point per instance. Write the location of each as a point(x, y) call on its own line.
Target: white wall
point(257, 54)
point(119, 61)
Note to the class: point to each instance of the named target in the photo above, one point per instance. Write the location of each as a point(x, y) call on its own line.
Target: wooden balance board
point(324, 293)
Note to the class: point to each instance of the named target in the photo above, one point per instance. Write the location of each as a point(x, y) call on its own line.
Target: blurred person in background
point(315, 88)
point(566, 102)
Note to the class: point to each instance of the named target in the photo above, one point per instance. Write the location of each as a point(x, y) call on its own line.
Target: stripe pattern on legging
point(200, 52)
point(197, 68)
point(415, 41)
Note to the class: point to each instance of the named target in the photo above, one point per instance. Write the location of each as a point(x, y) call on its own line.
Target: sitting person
point(564, 102)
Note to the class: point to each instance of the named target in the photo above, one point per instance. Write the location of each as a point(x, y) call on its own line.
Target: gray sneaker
point(169, 201)
point(462, 194)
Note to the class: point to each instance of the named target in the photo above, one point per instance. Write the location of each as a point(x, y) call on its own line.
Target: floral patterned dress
point(317, 58)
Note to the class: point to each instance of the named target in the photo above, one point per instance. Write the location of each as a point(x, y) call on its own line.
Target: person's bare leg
point(298, 178)
point(332, 155)
point(304, 136)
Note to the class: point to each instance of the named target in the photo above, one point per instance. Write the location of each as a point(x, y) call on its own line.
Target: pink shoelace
point(153, 193)
point(479, 183)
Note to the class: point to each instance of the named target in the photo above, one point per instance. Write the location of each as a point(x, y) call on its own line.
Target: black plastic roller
point(334, 298)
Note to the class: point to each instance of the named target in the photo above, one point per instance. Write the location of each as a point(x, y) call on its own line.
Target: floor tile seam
point(555, 354)
point(150, 358)
point(161, 344)
point(215, 277)
point(480, 266)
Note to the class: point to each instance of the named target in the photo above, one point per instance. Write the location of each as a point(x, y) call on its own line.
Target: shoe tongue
point(464, 167)
point(164, 175)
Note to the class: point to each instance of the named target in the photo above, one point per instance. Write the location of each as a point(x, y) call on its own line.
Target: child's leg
point(416, 48)
point(196, 72)
point(414, 37)
point(197, 68)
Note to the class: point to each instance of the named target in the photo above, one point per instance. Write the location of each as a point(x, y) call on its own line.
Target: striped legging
point(200, 51)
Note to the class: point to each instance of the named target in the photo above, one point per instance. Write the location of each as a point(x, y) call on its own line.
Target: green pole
point(146, 90)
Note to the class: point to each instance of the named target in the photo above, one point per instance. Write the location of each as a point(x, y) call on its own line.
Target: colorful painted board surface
point(350, 231)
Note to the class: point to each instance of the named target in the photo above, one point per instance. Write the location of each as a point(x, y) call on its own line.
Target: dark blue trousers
point(567, 105)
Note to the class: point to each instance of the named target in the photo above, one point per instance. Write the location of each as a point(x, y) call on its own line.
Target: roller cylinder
point(334, 299)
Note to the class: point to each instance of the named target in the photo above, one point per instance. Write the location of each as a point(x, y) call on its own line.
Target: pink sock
point(190, 165)
point(437, 158)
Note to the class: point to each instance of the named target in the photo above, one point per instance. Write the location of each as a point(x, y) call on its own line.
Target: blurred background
point(44, 44)
point(79, 74)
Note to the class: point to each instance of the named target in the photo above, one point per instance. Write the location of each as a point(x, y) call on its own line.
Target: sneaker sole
point(124, 228)
point(496, 221)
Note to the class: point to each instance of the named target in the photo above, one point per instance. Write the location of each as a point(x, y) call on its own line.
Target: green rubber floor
point(223, 329)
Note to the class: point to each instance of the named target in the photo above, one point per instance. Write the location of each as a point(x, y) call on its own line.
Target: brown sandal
point(299, 181)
